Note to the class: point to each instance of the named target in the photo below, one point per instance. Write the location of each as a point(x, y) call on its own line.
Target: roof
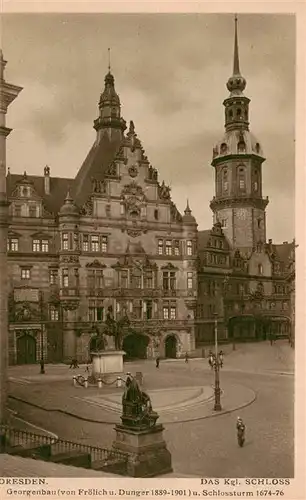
point(283, 251)
point(95, 165)
point(58, 189)
point(203, 237)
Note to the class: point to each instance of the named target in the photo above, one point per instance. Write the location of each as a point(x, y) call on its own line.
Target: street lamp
point(217, 406)
point(42, 361)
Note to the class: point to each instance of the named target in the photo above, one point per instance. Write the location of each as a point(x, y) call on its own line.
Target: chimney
point(47, 179)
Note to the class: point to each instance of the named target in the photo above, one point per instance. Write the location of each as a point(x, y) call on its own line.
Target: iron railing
point(11, 437)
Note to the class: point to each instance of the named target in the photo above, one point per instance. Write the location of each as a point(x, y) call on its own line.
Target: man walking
point(157, 362)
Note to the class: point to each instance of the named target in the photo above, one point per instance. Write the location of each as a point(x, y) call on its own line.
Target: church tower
point(237, 159)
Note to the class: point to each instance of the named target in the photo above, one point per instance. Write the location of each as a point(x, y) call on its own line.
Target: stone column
point(8, 93)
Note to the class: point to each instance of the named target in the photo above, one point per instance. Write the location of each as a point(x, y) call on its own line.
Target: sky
point(170, 73)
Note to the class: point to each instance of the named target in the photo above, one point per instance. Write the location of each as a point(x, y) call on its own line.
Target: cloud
point(170, 73)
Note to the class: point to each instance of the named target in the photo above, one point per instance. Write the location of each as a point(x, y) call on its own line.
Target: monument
point(140, 436)
point(107, 357)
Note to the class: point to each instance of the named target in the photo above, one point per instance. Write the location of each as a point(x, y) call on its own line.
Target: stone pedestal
point(147, 450)
point(107, 364)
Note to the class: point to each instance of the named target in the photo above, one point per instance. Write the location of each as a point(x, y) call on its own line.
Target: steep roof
point(283, 251)
point(58, 189)
point(95, 165)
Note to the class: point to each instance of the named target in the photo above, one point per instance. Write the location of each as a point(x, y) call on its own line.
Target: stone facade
point(242, 279)
point(114, 239)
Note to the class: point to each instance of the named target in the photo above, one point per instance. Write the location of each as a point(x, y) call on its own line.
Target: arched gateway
point(135, 345)
point(171, 346)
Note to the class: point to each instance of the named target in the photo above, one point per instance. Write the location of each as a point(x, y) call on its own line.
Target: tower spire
point(236, 69)
point(109, 60)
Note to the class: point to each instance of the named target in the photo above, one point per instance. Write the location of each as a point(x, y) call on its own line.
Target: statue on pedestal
point(137, 406)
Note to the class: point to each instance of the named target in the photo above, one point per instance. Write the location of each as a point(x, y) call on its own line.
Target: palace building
point(112, 239)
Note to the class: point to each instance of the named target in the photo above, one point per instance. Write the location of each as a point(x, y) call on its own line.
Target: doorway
point(26, 350)
point(171, 346)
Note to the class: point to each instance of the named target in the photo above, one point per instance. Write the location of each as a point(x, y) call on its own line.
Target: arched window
point(260, 269)
point(223, 148)
point(224, 181)
point(255, 181)
point(259, 221)
point(241, 178)
point(241, 146)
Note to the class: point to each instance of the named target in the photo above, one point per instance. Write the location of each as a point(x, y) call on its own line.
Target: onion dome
point(69, 207)
point(109, 96)
point(188, 218)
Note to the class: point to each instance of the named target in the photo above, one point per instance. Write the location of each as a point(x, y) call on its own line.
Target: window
point(53, 275)
point(12, 244)
point(95, 279)
point(85, 245)
point(168, 247)
point(169, 280)
point(149, 279)
point(189, 281)
point(25, 273)
point(223, 148)
point(122, 209)
point(147, 308)
point(75, 241)
point(124, 279)
point(156, 214)
point(166, 312)
point(32, 211)
point(189, 247)
point(17, 211)
point(176, 247)
point(95, 310)
point(95, 243)
point(173, 312)
point(259, 223)
point(224, 223)
point(160, 247)
point(54, 313)
point(238, 113)
point(36, 246)
point(285, 305)
point(241, 178)
point(104, 244)
point(44, 245)
point(65, 241)
point(40, 245)
point(136, 278)
point(260, 269)
point(65, 278)
point(225, 181)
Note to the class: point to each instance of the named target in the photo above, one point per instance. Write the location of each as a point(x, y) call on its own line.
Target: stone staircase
point(42, 447)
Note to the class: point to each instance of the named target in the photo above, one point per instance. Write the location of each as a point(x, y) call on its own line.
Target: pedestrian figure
point(186, 357)
point(221, 358)
point(74, 363)
point(42, 366)
point(211, 359)
point(157, 362)
point(240, 431)
point(87, 366)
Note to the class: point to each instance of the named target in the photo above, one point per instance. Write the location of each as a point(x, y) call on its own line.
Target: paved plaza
point(257, 383)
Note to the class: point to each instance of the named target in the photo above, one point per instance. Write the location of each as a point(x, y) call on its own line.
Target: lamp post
point(217, 406)
point(42, 361)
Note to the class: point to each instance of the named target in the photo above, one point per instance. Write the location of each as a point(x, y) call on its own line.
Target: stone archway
point(26, 349)
point(171, 343)
point(135, 345)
